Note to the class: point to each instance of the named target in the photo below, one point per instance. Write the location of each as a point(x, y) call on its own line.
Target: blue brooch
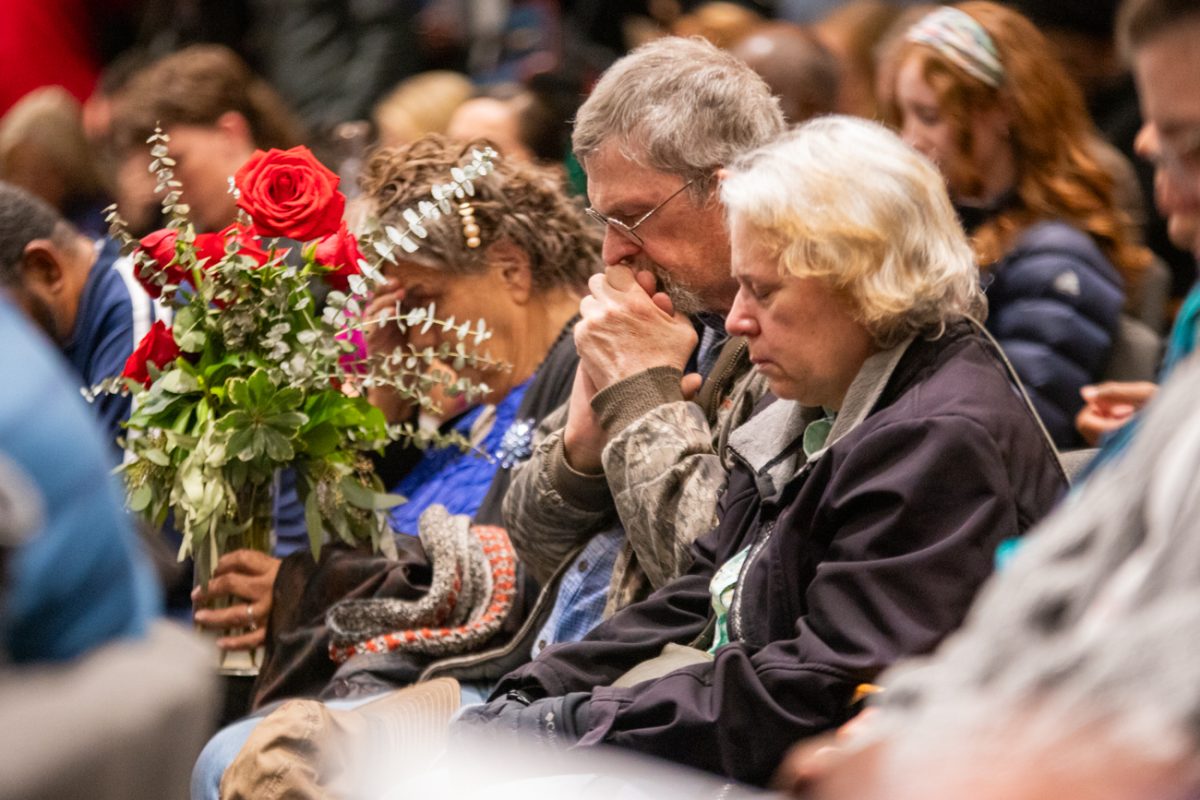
point(517, 443)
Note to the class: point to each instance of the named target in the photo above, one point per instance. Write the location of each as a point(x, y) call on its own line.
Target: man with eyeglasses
point(606, 508)
point(1161, 38)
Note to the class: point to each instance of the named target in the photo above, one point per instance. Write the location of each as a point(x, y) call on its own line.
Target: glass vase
point(256, 506)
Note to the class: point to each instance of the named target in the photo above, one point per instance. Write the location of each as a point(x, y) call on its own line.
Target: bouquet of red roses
point(258, 371)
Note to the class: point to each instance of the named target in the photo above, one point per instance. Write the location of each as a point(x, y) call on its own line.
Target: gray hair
point(845, 200)
point(1089, 633)
point(681, 107)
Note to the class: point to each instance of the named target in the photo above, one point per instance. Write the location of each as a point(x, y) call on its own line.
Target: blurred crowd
point(831, 453)
point(344, 77)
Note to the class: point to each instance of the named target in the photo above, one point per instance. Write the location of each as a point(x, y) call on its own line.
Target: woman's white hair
point(678, 106)
point(844, 200)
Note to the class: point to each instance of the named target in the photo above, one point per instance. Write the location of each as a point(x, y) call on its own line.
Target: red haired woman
point(977, 90)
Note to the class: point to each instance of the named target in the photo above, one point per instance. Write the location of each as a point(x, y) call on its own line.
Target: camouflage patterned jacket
point(663, 474)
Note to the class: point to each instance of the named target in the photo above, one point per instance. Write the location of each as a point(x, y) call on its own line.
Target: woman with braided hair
point(516, 254)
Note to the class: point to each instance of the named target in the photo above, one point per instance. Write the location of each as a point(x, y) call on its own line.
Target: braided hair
point(518, 202)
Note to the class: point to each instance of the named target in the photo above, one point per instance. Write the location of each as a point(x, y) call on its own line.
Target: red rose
point(248, 244)
point(157, 347)
point(289, 193)
point(160, 246)
point(207, 247)
point(340, 254)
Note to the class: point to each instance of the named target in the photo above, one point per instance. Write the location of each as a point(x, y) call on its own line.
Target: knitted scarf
point(470, 594)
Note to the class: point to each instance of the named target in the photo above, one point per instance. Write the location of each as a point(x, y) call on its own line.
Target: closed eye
point(925, 115)
point(761, 293)
point(758, 292)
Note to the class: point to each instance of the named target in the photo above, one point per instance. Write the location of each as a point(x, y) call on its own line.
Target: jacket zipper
point(719, 388)
point(735, 613)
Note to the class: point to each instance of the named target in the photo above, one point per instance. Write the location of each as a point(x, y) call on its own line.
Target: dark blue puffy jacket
point(1053, 303)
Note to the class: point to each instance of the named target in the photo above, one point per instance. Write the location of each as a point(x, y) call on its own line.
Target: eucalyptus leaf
point(314, 523)
point(140, 498)
point(177, 381)
point(342, 526)
point(192, 483)
point(155, 456)
point(188, 327)
point(362, 497)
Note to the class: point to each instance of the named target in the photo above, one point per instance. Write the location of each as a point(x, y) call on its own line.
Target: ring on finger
point(250, 616)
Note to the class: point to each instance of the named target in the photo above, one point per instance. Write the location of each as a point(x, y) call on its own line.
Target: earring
point(469, 226)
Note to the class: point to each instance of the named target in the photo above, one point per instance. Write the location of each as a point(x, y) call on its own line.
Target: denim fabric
point(579, 605)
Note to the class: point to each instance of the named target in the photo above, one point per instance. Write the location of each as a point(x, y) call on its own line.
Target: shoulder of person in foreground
point(87, 547)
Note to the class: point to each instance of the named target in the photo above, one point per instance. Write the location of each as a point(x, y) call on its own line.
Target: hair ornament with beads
point(458, 188)
point(470, 228)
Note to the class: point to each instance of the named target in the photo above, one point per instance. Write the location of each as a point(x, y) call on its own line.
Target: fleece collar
point(769, 442)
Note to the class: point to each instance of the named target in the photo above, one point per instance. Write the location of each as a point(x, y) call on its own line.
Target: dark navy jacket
point(114, 314)
point(1053, 304)
point(870, 551)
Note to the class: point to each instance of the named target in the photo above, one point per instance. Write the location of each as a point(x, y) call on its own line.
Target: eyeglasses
point(630, 231)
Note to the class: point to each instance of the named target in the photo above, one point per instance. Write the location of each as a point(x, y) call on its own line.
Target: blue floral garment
point(457, 480)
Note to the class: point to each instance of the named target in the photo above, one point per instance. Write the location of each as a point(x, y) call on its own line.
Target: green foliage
point(267, 380)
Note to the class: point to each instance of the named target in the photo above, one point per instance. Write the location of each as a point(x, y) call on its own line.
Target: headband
point(957, 36)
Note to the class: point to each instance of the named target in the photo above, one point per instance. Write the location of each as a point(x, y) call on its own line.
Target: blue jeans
point(224, 746)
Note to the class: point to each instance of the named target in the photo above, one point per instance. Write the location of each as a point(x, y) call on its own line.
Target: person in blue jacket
point(80, 579)
point(976, 88)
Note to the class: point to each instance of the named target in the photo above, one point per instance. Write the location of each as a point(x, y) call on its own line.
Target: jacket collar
point(769, 442)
